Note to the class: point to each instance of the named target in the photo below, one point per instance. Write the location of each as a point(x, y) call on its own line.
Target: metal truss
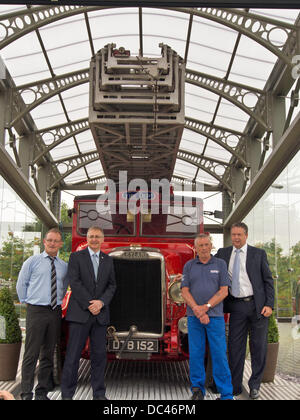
point(253, 26)
point(211, 166)
point(45, 89)
point(220, 135)
point(237, 94)
point(240, 95)
point(56, 135)
point(258, 28)
point(256, 103)
point(69, 165)
point(37, 93)
point(17, 24)
point(99, 182)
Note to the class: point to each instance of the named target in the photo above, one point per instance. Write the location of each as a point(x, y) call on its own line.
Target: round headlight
point(183, 325)
point(175, 292)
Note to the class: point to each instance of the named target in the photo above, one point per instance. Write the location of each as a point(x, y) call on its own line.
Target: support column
point(253, 155)
point(55, 201)
point(237, 182)
point(43, 181)
point(227, 208)
point(26, 146)
point(278, 118)
point(3, 105)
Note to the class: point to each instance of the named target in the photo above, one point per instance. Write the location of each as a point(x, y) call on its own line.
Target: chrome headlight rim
point(175, 293)
point(183, 325)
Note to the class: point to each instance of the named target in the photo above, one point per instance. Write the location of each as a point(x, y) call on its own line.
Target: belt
point(242, 299)
point(43, 306)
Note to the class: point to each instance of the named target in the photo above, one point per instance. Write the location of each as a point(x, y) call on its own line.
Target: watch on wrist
point(208, 305)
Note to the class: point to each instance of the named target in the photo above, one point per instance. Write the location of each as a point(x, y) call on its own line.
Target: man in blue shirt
point(42, 286)
point(204, 285)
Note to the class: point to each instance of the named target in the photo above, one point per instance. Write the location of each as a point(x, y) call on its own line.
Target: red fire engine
point(149, 247)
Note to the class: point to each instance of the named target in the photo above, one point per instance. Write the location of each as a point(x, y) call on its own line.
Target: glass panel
point(18, 226)
point(173, 221)
point(274, 225)
point(205, 47)
point(112, 223)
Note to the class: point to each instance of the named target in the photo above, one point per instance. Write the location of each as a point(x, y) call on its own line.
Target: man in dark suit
point(92, 280)
point(250, 304)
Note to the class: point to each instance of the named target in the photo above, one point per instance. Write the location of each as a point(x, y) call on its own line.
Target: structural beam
point(17, 180)
point(283, 153)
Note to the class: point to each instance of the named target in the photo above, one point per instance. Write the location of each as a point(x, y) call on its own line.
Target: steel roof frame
point(260, 123)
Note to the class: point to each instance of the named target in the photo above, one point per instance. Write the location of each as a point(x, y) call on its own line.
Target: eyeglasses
point(95, 237)
point(55, 241)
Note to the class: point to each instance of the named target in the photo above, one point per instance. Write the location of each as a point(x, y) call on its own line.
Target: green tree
point(295, 258)
point(279, 266)
point(66, 249)
point(13, 253)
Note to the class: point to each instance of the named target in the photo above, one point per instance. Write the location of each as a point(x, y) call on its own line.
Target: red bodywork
point(176, 251)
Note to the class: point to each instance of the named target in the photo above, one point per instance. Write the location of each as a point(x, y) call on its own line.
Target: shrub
point(273, 333)
point(8, 311)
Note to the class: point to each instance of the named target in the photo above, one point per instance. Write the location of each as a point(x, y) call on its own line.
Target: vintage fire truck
point(149, 248)
point(136, 116)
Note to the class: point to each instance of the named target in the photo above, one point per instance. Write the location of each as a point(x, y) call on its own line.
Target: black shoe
point(41, 397)
point(101, 398)
point(197, 394)
point(236, 393)
point(213, 388)
point(254, 394)
point(27, 396)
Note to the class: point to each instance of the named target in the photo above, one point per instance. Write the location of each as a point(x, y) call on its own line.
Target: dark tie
point(53, 284)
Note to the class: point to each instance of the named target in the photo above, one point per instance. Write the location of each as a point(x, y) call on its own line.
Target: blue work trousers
point(217, 343)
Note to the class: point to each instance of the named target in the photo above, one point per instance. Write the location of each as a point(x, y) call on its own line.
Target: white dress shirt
point(245, 284)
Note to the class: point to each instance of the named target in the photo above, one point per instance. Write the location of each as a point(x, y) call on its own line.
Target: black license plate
point(134, 344)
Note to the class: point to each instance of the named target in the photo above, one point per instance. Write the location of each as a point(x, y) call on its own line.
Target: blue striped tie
point(95, 264)
point(235, 277)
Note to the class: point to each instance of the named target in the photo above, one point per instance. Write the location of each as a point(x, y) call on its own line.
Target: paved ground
point(127, 380)
point(132, 381)
point(289, 351)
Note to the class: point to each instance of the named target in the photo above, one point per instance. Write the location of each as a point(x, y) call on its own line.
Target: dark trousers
point(42, 334)
point(78, 334)
point(244, 320)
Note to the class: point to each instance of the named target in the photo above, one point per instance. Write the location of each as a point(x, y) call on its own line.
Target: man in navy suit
point(250, 302)
point(92, 280)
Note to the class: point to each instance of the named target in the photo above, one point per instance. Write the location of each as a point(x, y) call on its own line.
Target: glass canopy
point(206, 39)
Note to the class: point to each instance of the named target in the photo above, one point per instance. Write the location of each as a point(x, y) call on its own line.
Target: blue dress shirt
point(93, 252)
point(34, 281)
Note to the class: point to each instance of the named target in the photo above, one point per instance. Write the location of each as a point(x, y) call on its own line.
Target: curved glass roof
point(206, 38)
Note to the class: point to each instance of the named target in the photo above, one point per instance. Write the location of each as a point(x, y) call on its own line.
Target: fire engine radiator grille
point(138, 298)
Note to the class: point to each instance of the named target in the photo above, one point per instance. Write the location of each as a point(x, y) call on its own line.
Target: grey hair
point(202, 235)
point(95, 228)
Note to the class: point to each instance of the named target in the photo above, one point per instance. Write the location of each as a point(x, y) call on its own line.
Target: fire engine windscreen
point(176, 221)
